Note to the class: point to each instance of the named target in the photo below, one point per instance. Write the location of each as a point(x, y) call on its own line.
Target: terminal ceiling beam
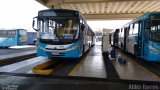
point(110, 16)
point(53, 2)
point(102, 9)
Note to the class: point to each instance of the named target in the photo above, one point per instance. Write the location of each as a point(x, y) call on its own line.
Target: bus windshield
point(22, 32)
point(58, 29)
point(155, 28)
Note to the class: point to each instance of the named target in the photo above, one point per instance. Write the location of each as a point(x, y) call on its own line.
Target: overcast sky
point(19, 14)
point(108, 24)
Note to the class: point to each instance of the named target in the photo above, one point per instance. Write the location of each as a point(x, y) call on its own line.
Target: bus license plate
point(55, 53)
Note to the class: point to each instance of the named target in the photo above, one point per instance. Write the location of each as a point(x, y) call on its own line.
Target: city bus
point(142, 36)
point(114, 37)
point(62, 33)
point(123, 32)
point(31, 38)
point(15, 37)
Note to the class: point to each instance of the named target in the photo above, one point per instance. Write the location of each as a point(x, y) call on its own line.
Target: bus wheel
point(6, 47)
point(135, 50)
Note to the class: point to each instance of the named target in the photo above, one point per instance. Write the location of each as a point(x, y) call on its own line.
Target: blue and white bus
point(142, 36)
point(13, 37)
point(31, 38)
point(62, 33)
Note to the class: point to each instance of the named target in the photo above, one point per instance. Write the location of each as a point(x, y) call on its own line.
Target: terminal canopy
point(106, 9)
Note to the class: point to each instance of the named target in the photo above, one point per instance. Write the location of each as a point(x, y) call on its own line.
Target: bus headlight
point(72, 48)
point(40, 47)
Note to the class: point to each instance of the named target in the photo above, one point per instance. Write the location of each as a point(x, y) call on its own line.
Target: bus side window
point(86, 31)
point(3, 33)
point(11, 33)
point(122, 34)
point(135, 29)
point(130, 28)
point(80, 31)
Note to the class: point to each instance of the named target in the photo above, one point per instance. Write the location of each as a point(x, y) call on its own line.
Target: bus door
point(126, 29)
point(127, 39)
point(22, 37)
point(140, 42)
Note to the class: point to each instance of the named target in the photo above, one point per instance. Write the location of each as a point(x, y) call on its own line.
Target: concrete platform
point(16, 49)
point(2, 57)
point(23, 66)
point(92, 64)
point(132, 70)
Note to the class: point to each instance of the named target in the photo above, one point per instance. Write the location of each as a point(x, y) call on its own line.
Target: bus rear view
point(31, 38)
point(14, 37)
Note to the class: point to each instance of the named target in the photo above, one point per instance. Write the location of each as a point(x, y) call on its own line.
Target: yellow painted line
point(40, 69)
point(148, 71)
point(75, 68)
point(151, 73)
point(44, 65)
point(46, 72)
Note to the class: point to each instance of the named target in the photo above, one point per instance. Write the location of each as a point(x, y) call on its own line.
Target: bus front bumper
point(72, 53)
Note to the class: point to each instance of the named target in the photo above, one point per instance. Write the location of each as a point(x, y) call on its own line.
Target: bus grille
point(54, 49)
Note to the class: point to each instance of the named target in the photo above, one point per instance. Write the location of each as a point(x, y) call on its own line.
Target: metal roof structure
point(106, 9)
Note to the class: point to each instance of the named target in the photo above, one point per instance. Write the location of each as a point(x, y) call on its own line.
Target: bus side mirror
point(82, 27)
point(34, 24)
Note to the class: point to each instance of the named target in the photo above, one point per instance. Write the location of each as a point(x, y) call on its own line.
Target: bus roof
point(142, 17)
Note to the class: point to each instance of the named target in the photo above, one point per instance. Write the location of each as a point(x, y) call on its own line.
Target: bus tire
point(6, 47)
point(135, 50)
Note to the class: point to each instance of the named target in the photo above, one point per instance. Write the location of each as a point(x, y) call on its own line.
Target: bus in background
point(123, 33)
point(15, 37)
point(142, 36)
point(92, 37)
point(62, 33)
point(121, 38)
point(114, 37)
point(98, 38)
point(31, 38)
point(116, 33)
